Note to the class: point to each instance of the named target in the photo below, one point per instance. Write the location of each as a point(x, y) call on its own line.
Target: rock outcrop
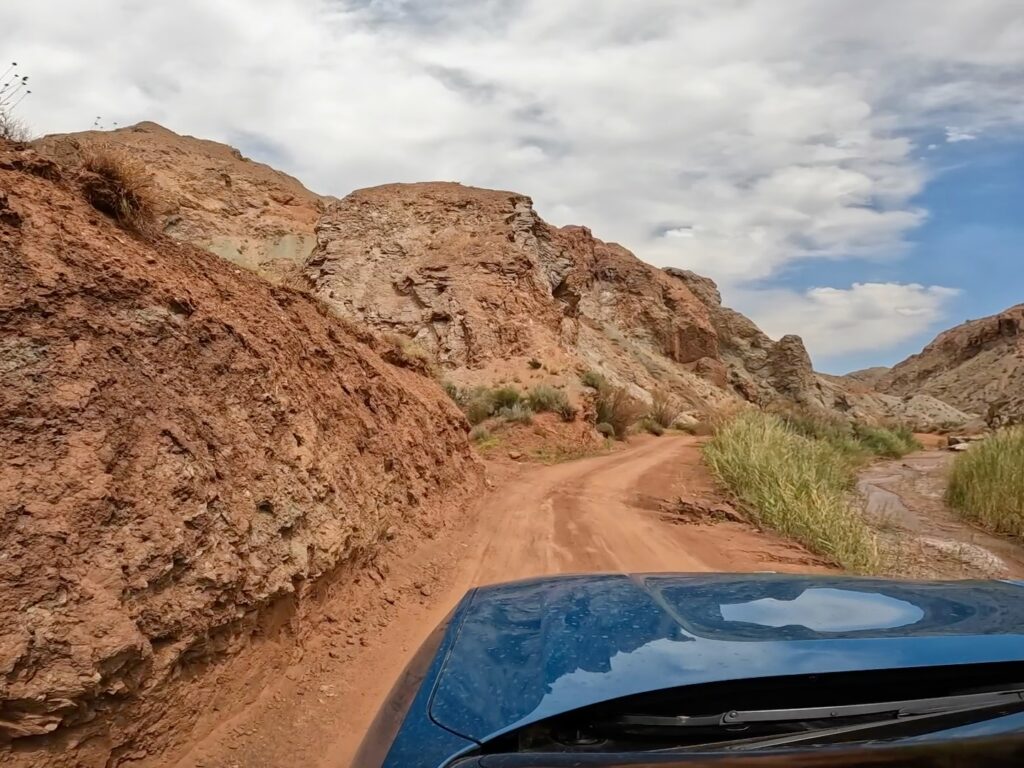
point(183, 445)
point(213, 197)
point(779, 373)
point(480, 281)
point(977, 366)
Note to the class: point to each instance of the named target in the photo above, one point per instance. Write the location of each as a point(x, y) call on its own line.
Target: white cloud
point(836, 322)
point(953, 135)
point(761, 132)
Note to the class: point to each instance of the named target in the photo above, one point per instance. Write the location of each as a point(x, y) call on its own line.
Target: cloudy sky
point(850, 170)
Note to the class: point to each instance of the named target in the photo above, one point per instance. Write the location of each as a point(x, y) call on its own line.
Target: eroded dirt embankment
point(188, 456)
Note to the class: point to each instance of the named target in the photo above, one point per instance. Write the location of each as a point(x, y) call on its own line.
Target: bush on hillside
point(505, 397)
point(615, 406)
point(12, 129)
point(407, 353)
point(519, 413)
point(665, 409)
point(606, 429)
point(794, 484)
point(986, 485)
point(121, 187)
point(652, 426)
point(478, 405)
point(594, 380)
point(545, 398)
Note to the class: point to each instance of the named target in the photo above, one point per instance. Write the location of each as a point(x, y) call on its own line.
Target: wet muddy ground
point(921, 535)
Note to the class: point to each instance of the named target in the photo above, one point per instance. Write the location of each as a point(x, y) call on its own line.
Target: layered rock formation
point(182, 445)
point(213, 197)
point(977, 366)
point(780, 373)
point(479, 279)
point(482, 283)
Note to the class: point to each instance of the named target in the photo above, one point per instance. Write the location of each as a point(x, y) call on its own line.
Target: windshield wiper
point(899, 709)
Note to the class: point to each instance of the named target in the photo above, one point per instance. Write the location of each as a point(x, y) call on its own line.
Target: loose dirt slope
point(184, 447)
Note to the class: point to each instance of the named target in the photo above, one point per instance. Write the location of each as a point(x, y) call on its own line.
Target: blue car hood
point(531, 650)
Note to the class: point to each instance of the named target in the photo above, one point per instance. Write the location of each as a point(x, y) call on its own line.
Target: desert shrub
point(518, 413)
point(120, 186)
point(408, 353)
point(567, 411)
point(505, 397)
point(479, 433)
point(652, 426)
point(884, 441)
point(545, 398)
point(664, 409)
point(606, 429)
point(615, 406)
point(478, 404)
point(594, 380)
point(986, 484)
point(12, 129)
point(535, 364)
point(455, 392)
point(794, 484)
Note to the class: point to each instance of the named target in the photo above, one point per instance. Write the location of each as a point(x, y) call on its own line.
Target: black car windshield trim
point(834, 735)
point(905, 708)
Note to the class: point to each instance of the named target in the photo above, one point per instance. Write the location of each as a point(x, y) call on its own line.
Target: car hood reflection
point(530, 650)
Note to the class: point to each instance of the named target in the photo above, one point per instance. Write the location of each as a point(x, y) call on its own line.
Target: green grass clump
point(884, 441)
point(986, 485)
point(796, 485)
point(594, 380)
point(606, 429)
point(855, 439)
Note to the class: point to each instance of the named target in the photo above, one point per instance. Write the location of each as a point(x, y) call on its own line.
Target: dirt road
point(599, 514)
